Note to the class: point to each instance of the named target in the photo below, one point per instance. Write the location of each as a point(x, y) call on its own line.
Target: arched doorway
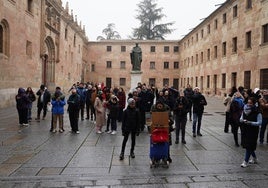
point(48, 68)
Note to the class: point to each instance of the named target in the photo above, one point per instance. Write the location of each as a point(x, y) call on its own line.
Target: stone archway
point(48, 69)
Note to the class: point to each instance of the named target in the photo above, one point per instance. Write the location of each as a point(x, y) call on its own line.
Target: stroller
point(159, 140)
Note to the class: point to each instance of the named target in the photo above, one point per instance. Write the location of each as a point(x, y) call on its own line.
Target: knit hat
point(130, 100)
point(256, 90)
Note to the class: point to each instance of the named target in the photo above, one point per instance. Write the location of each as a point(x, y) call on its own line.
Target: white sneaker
point(244, 164)
point(54, 130)
point(113, 132)
point(253, 161)
point(25, 124)
point(98, 132)
point(109, 132)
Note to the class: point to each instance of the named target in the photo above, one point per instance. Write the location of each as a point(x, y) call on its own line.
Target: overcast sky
point(97, 14)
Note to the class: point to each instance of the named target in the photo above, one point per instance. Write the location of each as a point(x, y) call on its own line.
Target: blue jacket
point(58, 106)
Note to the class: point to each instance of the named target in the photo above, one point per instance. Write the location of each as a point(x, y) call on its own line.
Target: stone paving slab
point(33, 157)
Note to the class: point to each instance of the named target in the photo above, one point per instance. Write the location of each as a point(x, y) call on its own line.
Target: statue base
point(135, 79)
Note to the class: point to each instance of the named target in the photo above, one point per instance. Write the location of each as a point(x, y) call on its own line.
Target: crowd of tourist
point(246, 110)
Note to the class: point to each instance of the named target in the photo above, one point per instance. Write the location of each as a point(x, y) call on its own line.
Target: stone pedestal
point(135, 79)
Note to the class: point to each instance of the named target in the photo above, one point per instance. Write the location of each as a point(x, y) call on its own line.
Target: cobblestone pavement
point(34, 157)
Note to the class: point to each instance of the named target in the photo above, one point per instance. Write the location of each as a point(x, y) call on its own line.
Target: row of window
point(152, 49)
point(224, 21)
point(234, 47)
point(152, 81)
point(152, 65)
point(247, 80)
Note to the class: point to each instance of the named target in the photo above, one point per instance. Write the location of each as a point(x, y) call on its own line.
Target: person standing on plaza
point(180, 113)
point(100, 112)
point(227, 103)
point(89, 102)
point(73, 110)
point(58, 103)
point(113, 107)
point(44, 98)
point(251, 120)
point(263, 101)
point(32, 97)
point(22, 103)
point(93, 98)
point(121, 95)
point(199, 101)
point(81, 91)
point(236, 109)
point(130, 125)
point(188, 93)
point(54, 97)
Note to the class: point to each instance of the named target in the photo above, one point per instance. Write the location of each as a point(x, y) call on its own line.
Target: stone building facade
point(229, 48)
point(110, 63)
point(42, 42)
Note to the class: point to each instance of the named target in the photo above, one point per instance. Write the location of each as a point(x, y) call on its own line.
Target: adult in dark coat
point(22, 102)
point(251, 120)
point(44, 98)
point(89, 104)
point(188, 93)
point(130, 125)
point(199, 101)
point(73, 110)
point(181, 109)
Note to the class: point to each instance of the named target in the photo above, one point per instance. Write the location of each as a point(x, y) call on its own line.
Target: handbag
point(49, 107)
point(159, 135)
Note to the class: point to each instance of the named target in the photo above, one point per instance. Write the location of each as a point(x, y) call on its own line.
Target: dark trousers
point(108, 122)
point(113, 124)
point(263, 128)
point(120, 114)
point(235, 127)
point(23, 116)
point(93, 113)
point(73, 117)
point(142, 119)
point(197, 118)
point(190, 110)
point(227, 122)
point(88, 106)
point(180, 124)
point(81, 108)
point(133, 141)
point(40, 107)
point(248, 154)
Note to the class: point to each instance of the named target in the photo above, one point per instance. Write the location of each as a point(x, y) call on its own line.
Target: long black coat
point(131, 120)
point(250, 132)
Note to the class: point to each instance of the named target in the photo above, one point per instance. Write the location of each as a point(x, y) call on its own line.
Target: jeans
point(180, 124)
point(263, 128)
point(197, 118)
point(133, 141)
point(248, 154)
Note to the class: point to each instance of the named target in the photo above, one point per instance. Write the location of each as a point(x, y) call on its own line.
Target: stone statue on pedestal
point(136, 58)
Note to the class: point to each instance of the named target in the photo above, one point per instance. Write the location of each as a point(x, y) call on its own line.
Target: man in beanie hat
point(44, 98)
point(130, 125)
